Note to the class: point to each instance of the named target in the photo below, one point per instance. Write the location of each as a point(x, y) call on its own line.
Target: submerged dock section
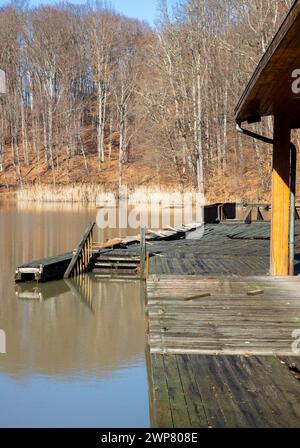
point(44, 270)
point(127, 257)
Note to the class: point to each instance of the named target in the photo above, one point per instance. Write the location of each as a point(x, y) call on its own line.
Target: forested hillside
point(96, 97)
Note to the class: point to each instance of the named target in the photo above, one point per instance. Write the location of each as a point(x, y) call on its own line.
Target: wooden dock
point(228, 248)
point(220, 332)
point(221, 351)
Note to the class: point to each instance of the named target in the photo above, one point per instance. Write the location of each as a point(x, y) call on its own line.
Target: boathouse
point(274, 91)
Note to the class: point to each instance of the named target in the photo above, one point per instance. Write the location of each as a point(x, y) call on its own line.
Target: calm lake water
point(75, 350)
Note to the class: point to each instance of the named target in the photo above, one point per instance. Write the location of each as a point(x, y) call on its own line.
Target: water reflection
point(75, 350)
point(35, 291)
point(77, 326)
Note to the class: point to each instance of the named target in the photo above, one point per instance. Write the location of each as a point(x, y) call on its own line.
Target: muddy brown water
point(75, 352)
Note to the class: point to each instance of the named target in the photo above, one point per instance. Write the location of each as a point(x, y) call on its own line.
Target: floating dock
point(44, 270)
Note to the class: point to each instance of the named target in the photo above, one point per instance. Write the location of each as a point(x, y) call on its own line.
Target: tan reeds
point(101, 196)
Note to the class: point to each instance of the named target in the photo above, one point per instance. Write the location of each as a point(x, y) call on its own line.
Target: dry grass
point(99, 195)
point(7, 195)
point(85, 193)
point(161, 195)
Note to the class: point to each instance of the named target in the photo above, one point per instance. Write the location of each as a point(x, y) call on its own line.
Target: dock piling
point(143, 252)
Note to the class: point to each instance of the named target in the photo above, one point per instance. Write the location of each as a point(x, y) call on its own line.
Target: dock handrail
point(81, 258)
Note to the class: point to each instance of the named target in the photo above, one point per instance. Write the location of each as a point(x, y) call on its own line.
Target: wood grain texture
point(229, 321)
point(280, 197)
point(224, 392)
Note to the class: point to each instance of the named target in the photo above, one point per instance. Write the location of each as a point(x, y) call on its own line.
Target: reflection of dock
point(82, 288)
point(32, 291)
point(63, 336)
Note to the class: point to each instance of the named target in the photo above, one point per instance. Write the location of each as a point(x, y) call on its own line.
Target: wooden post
point(143, 252)
point(280, 197)
point(147, 265)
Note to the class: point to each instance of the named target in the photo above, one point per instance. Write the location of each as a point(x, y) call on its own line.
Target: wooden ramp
point(221, 352)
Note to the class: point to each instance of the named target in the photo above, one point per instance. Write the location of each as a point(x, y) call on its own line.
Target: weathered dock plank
point(224, 392)
point(196, 410)
point(161, 402)
point(224, 318)
point(179, 409)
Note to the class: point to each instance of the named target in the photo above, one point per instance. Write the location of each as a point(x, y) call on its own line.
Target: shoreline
point(101, 196)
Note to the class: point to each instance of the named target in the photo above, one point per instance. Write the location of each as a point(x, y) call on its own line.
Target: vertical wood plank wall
point(280, 197)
